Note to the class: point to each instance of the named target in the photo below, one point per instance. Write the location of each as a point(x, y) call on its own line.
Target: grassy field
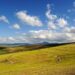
point(59, 60)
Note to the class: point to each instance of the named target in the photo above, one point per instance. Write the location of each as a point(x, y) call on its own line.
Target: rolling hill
point(57, 60)
point(19, 47)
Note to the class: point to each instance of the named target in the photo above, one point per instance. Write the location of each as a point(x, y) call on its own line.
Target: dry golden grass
point(58, 60)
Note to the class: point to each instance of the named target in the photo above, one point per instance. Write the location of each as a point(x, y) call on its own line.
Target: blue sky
point(33, 21)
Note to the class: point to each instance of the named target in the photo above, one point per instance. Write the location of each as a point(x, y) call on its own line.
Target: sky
point(35, 21)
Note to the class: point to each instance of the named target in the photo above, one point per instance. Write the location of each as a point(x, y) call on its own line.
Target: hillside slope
point(58, 60)
point(13, 49)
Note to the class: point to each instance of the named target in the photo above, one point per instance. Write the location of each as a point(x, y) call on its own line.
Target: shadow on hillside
point(41, 46)
point(5, 50)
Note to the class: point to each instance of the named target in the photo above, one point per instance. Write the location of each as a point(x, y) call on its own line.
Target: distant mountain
point(28, 44)
point(14, 44)
point(21, 44)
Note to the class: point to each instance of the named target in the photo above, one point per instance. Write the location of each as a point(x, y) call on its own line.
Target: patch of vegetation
point(59, 60)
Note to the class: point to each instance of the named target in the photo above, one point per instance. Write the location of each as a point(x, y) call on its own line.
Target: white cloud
point(42, 34)
point(51, 25)
point(4, 19)
point(69, 29)
point(31, 20)
point(16, 26)
point(54, 22)
point(49, 15)
point(51, 36)
point(37, 36)
point(51, 18)
point(2, 40)
point(62, 22)
point(72, 29)
point(11, 39)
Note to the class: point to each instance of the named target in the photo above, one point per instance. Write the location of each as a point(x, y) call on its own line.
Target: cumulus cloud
point(16, 26)
point(4, 19)
point(49, 15)
point(42, 34)
point(51, 25)
point(11, 38)
point(37, 36)
point(69, 29)
point(30, 20)
point(58, 29)
point(54, 21)
point(51, 36)
point(47, 36)
point(62, 22)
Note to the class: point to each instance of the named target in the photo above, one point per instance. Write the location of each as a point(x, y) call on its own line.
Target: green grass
point(58, 60)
